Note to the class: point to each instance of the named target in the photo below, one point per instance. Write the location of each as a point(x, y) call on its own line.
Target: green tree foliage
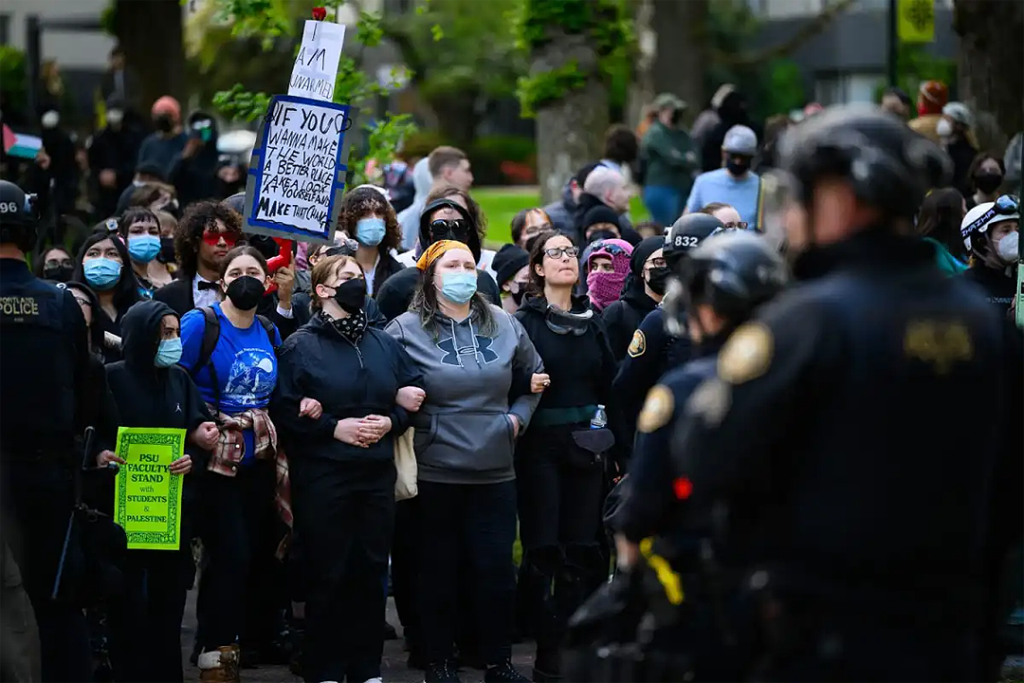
point(12, 74)
point(605, 24)
point(268, 20)
point(914, 65)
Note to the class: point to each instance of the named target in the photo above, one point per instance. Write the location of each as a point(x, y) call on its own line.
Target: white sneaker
point(374, 680)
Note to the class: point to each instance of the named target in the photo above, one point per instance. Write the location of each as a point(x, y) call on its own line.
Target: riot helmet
point(17, 216)
point(687, 233)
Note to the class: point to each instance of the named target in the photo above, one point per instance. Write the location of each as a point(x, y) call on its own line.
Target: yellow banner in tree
point(916, 20)
point(147, 499)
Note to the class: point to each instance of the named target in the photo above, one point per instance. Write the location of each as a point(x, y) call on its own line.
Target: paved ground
point(393, 663)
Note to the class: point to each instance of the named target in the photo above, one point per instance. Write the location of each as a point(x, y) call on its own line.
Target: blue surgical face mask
point(168, 353)
point(143, 248)
point(102, 273)
point(458, 287)
point(370, 231)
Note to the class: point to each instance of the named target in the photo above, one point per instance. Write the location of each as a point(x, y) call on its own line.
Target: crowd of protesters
point(296, 385)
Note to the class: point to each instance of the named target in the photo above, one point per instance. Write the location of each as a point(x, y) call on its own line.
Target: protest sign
point(296, 174)
point(147, 499)
point(316, 65)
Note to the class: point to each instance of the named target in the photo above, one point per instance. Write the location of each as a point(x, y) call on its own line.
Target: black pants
point(405, 569)
point(238, 513)
point(345, 516)
point(145, 625)
point(477, 522)
point(560, 491)
point(37, 500)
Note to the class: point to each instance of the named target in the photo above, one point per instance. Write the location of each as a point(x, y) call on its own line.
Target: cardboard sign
point(316, 66)
point(147, 498)
point(297, 174)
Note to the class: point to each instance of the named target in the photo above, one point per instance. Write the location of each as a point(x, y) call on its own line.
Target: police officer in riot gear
point(43, 361)
point(655, 348)
point(859, 443)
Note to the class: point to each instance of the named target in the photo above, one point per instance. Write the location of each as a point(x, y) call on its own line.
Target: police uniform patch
point(657, 409)
point(711, 401)
point(638, 345)
point(747, 354)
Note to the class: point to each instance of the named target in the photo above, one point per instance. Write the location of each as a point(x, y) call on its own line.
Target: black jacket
point(195, 177)
point(362, 381)
point(999, 287)
point(117, 150)
point(623, 317)
point(387, 266)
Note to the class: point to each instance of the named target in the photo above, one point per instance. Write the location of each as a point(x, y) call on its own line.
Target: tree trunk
point(641, 90)
point(991, 53)
point(570, 130)
point(682, 53)
point(151, 35)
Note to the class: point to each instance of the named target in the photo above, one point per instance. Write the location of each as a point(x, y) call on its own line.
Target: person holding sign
point(229, 351)
point(153, 392)
point(341, 459)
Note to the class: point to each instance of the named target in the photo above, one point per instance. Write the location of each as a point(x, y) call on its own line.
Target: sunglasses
point(213, 238)
point(613, 249)
point(1006, 205)
point(557, 252)
point(453, 228)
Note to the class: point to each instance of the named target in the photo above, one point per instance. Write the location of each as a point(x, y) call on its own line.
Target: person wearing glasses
point(559, 462)
point(206, 233)
point(450, 214)
point(472, 355)
point(641, 294)
point(55, 264)
point(527, 224)
point(607, 268)
point(991, 236)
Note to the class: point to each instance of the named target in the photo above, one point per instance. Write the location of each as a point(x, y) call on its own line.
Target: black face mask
point(737, 167)
point(657, 279)
point(245, 292)
point(163, 123)
point(988, 182)
point(599, 235)
point(58, 273)
point(351, 295)
point(518, 293)
point(166, 254)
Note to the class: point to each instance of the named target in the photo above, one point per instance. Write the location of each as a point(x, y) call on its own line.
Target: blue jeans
point(663, 203)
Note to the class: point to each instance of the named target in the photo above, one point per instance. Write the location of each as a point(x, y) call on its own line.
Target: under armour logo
point(177, 407)
point(451, 354)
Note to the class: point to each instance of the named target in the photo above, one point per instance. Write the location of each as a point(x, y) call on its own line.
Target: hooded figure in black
point(146, 625)
point(732, 112)
point(194, 171)
point(622, 318)
point(396, 293)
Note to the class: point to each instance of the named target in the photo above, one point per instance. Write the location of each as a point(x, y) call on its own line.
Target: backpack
point(211, 335)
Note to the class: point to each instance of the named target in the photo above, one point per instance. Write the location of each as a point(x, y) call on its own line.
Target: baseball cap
point(958, 112)
point(740, 140)
point(667, 100)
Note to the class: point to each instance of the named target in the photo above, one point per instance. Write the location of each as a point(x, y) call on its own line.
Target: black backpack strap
point(211, 335)
point(268, 327)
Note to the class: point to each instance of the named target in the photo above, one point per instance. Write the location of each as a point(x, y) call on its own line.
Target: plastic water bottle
point(600, 419)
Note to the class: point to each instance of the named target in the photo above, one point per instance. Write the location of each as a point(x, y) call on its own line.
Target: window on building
point(5, 29)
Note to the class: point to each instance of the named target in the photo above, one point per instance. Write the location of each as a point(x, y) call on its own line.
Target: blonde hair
point(324, 270)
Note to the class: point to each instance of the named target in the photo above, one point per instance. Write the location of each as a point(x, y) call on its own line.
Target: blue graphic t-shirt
point(244, 361)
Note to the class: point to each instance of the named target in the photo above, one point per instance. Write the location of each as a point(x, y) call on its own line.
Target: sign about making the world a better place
point(147, 498)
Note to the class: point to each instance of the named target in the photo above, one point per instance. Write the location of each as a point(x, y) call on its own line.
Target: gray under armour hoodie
point(463, 430)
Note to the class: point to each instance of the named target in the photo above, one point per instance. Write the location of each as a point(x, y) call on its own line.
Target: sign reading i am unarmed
point(316, 66)
point(299, 164)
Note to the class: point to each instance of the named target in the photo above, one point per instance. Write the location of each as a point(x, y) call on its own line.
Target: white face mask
point(115, 117)
point(50, 119)
point(944, 128)
point(1007, 248)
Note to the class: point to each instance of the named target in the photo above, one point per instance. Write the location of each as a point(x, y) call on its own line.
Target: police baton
point(77, 483)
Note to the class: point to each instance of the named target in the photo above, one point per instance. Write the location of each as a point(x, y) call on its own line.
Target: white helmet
point(979, 219)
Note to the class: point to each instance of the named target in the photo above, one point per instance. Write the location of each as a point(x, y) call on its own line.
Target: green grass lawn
point(500, 205)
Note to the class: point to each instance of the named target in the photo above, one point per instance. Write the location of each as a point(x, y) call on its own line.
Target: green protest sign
point(147, 500)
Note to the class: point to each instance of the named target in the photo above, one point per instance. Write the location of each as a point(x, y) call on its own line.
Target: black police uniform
point(43, 366)
point(867, 426)
point(652, 353)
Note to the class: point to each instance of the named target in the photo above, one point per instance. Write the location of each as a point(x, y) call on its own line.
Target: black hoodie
point(395, 295)
point(195, 177)
point(148, 396)
point(622, 318)
point(363, 380)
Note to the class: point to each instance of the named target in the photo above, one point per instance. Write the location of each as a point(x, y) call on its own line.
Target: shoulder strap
point(759, 226)
point(268, 327)
point(211, 335)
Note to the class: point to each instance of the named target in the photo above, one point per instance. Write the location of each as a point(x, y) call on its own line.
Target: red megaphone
point(282, 260)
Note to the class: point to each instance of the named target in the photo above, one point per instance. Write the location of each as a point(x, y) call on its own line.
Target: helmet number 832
point(686, 241)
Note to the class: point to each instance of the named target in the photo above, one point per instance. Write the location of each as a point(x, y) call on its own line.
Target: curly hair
point(425, 304)
point(189, 234)
point(360, 203)
point(472, 208)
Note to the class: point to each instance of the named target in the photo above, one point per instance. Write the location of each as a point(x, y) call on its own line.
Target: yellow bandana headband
point(437, 250)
